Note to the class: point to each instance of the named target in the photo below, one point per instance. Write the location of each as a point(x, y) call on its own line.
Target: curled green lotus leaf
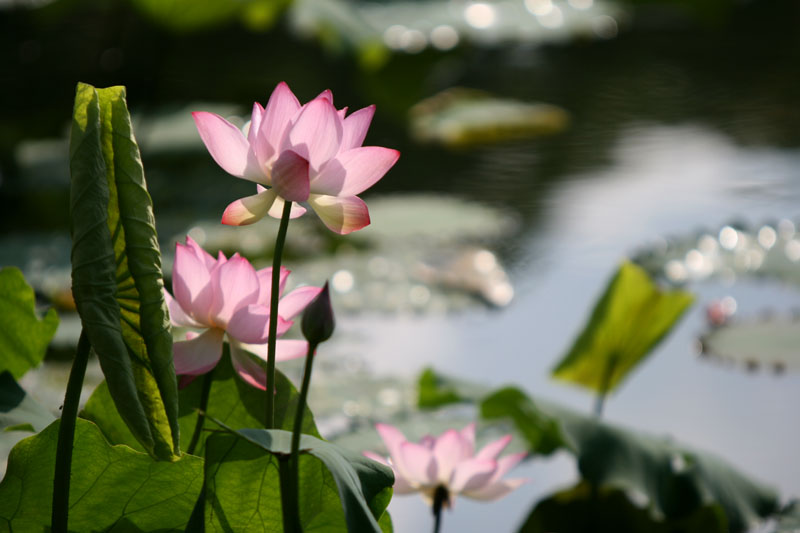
point(116, 269)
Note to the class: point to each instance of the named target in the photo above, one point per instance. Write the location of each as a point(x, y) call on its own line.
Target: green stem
point(441, 498)
point(294, 458)
point(605, 385)
point(66, 436)
point(273, 314)
point(289, 504)
point(203, 407)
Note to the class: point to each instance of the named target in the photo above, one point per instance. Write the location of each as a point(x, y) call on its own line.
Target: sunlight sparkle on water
point(553, 19)
point(444, 37)
point(480, 15)
point(792, 250)
point(605, 27)
point(728, 238)
point(343, 281)
point(767, 237)
point(539, 7)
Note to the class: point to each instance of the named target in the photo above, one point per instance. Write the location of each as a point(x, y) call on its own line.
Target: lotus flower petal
point(447, 462)
point(316, 134)
point(285, 349)
point(496, 490)
point(278, 113)
point(227, 145)
point(340, 215)
point(417, 462)
point(354, 171)
point(494, 448)
point(472, 474)
point(290, 177)
point(355, 128)
point(235, 285)
point(265, 278)
point(177, 315)
point(300, 151)
point(293, 303)
point(449, 450)
point(199, 354)
point(249, 209)
point(247, 368)
point(191, 283)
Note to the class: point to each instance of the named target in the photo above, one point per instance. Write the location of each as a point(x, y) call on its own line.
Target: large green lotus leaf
point(463, 117)
point(18, 410)
point(24, 336)
point(581, 508)
point(113, 488)
point(630, 319)
point(231, 401)
point(339, 490)
point(116, 268)
point(676, 481)
point(189, 15)
point(772, 343)
point(435, 390)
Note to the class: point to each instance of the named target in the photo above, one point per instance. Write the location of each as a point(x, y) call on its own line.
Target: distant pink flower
point(448, 462)
point(228, 296)
point(310, 153)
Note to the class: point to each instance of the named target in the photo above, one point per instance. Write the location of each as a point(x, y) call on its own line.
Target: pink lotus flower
point(448, 463)
point(228, 296)
point(310, 153)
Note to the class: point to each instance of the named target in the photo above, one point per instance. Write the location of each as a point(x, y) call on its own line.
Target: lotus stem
point(273, 314)
point(66, 436)
point(203, 407)
point(440, 500)
point(294, 458)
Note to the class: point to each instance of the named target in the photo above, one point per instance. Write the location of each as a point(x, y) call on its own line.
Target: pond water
point(670, 133)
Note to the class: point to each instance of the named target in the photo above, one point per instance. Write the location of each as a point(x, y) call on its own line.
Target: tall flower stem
point(201, 409)
point(440, 500)
point(66, 436)
point(273, 314)
point(294, 458)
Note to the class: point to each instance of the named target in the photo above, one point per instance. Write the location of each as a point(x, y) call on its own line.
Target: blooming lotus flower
point(229, 297)
point(310, 153)
point(448, 463)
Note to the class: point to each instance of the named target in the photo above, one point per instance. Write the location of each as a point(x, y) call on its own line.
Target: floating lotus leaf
point(464, 117)
point(734, 251)
point(769, 344)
